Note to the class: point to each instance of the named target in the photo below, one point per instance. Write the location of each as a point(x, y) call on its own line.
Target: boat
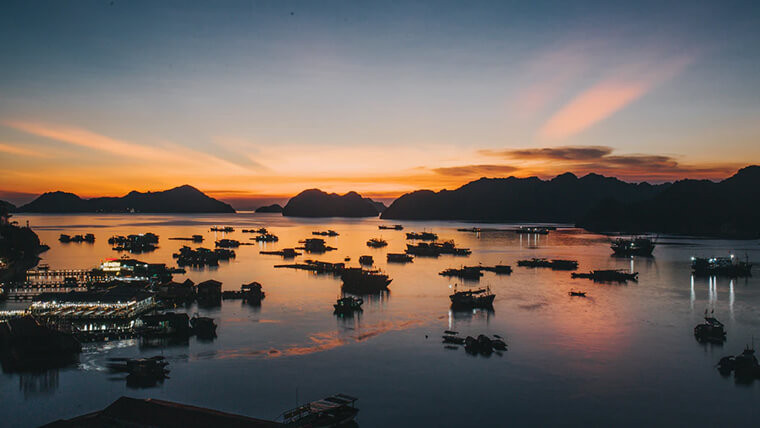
point(467, 272)
point(535, 263)
point(399, 258)
point(326, 233)
point(711, 330)
point(610, 275)
point(227, 243)
point(559, 264)
point(435, 249)
point(577, 293)
point(143, 367)
point(391, 227)
point(222, 229)
point(364, 281)
point(482, 298)
point(334, 411)
point(366, 260)
point(267, 237)
point(203, 326)
point(483, 345)
point(721, 266)
point(287, 253)
point(317, 266)
point(315, 245)
point(469, 229)
point(348, 304)
point(377, 243)
point(498, 269)
point(533, 230)
point(635, 246)
point(422, 236)
point(745, 365)
point(453, 338)
point(252, 292)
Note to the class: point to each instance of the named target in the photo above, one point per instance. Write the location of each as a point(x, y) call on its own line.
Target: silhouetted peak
point(568, 176)
point(748, 173)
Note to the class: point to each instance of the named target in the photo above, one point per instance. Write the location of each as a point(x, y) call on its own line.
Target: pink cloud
point(608, 96)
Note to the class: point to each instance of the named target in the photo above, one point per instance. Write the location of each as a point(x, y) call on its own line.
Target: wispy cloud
point(609, 95)
point(601, 160)
point(20, 151)
point(475, 170)
point(553, 153)
point(167, 156)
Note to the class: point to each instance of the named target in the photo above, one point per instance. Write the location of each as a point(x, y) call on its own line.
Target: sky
point(254, 101)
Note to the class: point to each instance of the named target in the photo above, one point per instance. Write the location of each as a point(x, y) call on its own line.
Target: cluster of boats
point(315, 245)
point(364, 281)
point(475, 272)
point(201, 257)
point(534, 230)
point(140, 243)
point(721, 266)
point(635, 246)
point(252, 293)
point(422, 236)
point(556, 264)
point(482, 344)
point(89, 238)
point(435, 249)
point(328, 232)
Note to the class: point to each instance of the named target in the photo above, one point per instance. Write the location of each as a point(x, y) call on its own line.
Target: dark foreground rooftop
point(135, 413)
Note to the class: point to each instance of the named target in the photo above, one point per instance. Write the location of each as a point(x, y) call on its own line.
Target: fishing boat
point(266, 237)
point(711, 330)
point(498, 269)
point(334, 411)
point(203, 326)
point(364, 281)
point(366, 260)
point(422, 236)
point(559, 264)
point(535, 263)
point(287, 253)
point(147, 367)
point(377, 243)
point(348, 304)
point(466, 272)
point(635, 246)
point(532, 230)
point(399, 258)
point(482, 298)
point(609, 275)
point(391, 227)
point(325, 233)
point(721, 266)
point(577, 293)
point(225, 229)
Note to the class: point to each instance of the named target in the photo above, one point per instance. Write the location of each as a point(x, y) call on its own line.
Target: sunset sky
point(262, 99)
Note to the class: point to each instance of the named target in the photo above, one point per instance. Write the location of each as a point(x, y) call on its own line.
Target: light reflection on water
point(624, 350)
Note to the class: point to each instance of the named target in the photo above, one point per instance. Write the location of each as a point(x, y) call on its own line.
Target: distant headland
point(316, 203)
point(182, 199)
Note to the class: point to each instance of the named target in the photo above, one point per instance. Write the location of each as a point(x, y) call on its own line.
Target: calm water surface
point(624, 355)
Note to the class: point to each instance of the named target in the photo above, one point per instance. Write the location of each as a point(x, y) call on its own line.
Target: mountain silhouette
point(729, 208)
point(316, 203)
point(274, 208)
point(563, 199)
point(182, 199)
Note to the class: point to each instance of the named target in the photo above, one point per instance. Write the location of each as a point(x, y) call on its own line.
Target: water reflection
point(33, 384)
